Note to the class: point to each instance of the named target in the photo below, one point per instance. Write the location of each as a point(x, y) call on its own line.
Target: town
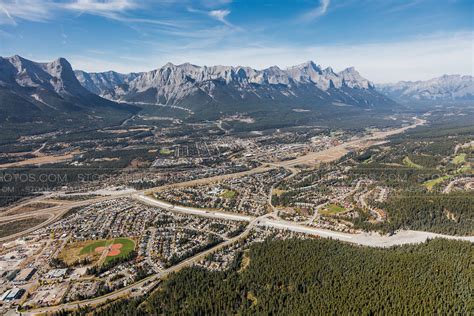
point(108, 233)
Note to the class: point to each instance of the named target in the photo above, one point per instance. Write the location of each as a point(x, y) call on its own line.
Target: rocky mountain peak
point(446, 87)
point(172, 83)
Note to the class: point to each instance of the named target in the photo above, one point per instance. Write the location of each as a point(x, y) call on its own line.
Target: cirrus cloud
point(318, 11)
point(41, 11)
point(97, 6)
point(219, 15)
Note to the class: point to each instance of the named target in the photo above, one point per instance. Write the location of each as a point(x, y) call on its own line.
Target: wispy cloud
point(97, 7)
point(110, 9)
point(31, 10)
point(11, 11)
point(45, 10)
point(403, 6)
point(220, 15)
point(318, 11)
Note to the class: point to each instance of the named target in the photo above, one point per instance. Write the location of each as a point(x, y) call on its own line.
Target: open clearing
point(28, 208)
point(278, 192)
point(15, 226)
point(407, 162)
point(41, 160)
point(245, 261)
point(459, 159)
point(72, 253)
point(228, 194)
point(336, 152)
point(431, 183)
point(332, 209)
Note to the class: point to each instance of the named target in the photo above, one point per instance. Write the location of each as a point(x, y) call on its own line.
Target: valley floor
point(191, 221)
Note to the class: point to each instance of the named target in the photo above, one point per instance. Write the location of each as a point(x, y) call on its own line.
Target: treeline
point(451, 214)
point(394, 176)
point(315, 277)
point(123, 158)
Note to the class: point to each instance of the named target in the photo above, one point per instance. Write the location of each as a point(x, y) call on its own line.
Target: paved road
point(192, 210)
point(366, 239)
point(55, 213)
point(139, 288)
point(330, 154)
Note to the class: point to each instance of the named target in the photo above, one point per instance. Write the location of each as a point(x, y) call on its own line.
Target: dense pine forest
point(315, 277)
point(428, 212)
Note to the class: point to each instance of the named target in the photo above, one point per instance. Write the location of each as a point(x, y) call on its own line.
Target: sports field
point(114, 248)
point(228, 194)
point(166, 151)
point(332, 209)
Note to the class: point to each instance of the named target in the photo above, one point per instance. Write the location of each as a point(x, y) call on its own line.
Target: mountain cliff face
point(45, 92)
point(445, 88)
point(106, 83)
point(226, 86)
point(52, 95)
point(56, 77)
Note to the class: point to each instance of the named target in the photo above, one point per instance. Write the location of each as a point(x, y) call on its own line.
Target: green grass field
point(431, 183)
point(407, 162)
point(90, 248)
point(128, 246)
point(367, 161)
point(465, 169)
point(165, 151)
point(459, 159)
point(332, 209)
point(228, 194)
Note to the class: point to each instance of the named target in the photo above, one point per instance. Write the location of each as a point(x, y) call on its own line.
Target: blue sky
point(386, 40)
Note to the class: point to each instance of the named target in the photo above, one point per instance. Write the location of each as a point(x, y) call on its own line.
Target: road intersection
point(268, 220)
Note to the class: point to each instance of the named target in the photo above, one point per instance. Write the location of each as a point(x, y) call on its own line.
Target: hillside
point(47, 96)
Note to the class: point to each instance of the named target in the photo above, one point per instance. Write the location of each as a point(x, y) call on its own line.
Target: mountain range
point(49, 93)
point(444, 88)
point(196, 87)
